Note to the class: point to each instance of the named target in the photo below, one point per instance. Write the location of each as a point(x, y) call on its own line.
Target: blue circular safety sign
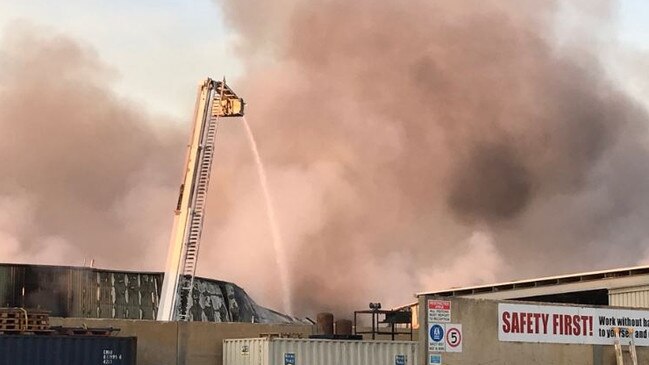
point(436, 333)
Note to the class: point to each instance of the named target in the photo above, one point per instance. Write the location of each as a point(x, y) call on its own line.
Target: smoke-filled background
point(408, 148)
point(84, 173)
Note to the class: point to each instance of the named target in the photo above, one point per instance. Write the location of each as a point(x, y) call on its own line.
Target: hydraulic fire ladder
point(215, 100)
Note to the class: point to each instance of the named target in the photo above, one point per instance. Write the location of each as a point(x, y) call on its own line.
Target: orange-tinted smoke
point(86, 174)
point(398, 133)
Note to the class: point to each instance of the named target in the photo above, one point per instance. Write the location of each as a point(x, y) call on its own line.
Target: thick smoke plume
point(408, 147)
point(85, 174)
point(436, 143)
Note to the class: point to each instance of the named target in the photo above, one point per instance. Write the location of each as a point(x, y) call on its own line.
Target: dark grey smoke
point(492, 184)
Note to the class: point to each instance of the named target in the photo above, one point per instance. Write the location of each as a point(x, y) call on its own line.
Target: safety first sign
point(444, 337)
point(567, 324)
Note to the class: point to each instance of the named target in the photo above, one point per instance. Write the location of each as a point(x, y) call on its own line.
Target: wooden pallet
point(17, 320)
point(281, 335)
point(85, 331)
point(26, 332)
point(20, 327)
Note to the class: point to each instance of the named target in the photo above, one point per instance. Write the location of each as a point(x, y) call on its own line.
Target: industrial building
point(625, 287)
point(84, 292)
point(467, 331)
point(576, 319)
point(482, 324)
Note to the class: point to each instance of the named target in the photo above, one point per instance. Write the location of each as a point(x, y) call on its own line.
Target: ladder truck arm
point(214, 100)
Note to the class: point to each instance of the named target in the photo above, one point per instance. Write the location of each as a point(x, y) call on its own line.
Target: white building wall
point(636, 297)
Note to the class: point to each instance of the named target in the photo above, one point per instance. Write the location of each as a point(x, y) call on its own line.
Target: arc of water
point(278, 244)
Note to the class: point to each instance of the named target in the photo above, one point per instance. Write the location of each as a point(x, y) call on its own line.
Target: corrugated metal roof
point(636, 297)
point(605, 279)
point(9, 264)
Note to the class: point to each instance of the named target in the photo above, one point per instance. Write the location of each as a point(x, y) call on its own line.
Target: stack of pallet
point(281, 335)
point(20, 320)
point(85, 331)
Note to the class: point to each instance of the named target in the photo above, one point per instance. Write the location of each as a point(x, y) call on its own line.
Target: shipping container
point(290, 351)
point(67, 350)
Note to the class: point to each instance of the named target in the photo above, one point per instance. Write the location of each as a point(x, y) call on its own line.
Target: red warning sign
point(439, 311)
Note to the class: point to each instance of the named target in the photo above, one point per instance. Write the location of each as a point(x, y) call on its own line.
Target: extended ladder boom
point(215, 99)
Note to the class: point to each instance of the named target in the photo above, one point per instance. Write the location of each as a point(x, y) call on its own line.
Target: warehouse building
point(85, 292)
point(466, 331)
point(626, 287)
point(552, 320)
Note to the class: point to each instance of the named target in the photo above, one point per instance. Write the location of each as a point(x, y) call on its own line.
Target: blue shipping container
point(67, 350)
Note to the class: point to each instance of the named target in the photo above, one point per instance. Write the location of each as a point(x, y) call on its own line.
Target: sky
point(634, 28)
point(161, 49)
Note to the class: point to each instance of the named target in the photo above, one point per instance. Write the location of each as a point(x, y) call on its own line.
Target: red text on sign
point(439, 304)
point(539, 323)
point(572, 325)
point(524, 322)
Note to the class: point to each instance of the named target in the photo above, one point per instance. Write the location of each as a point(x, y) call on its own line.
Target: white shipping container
point(292, 351)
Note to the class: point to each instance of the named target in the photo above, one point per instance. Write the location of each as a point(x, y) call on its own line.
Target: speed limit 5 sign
point(453, 338)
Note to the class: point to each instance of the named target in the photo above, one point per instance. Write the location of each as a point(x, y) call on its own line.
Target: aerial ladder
point(214, 100)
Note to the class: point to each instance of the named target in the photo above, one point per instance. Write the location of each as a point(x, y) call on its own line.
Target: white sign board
point(444, 337)
point(453, 338)
point(568, 324)
point(439, 311)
